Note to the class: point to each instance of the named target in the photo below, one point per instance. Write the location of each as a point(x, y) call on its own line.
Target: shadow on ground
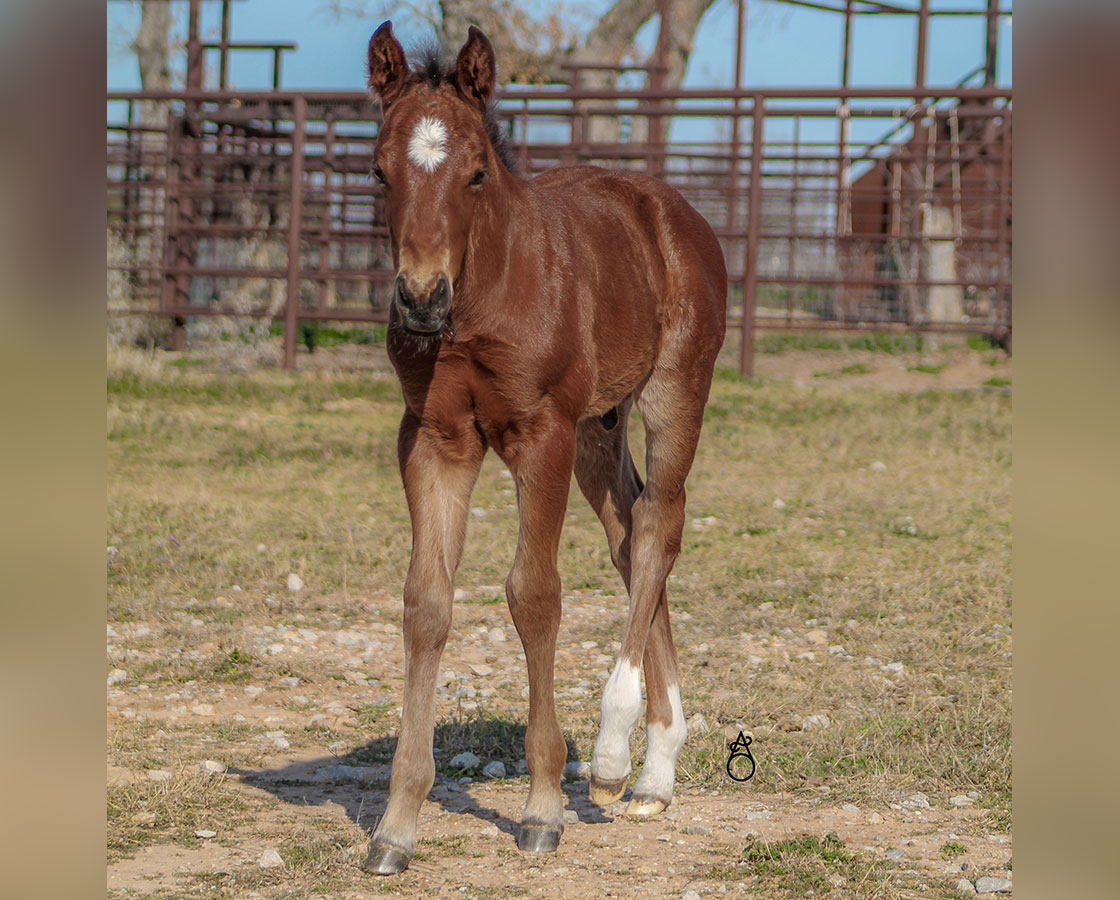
point(358, 780)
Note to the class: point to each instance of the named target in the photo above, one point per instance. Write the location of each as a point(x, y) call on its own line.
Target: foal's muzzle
point(423, 311)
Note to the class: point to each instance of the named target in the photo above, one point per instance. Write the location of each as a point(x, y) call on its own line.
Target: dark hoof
point(538, 839)
point(385, 859)
point(606, 793)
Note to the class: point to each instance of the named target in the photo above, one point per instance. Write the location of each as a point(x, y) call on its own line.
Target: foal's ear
point(388, 67)
point(475, 72)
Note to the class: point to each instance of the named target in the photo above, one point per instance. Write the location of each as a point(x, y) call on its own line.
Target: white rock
point(878, 466)
point(159, 775)
point(495, 769)
point(817, 636)
point(779, 503)
point(116, 676)
point(875, 819)
point(491, 831)
point(850, 807)
point(916, 801)
point(816, 722)
point(295, 583)
point(145, 817)
point(697, 724)
point(254, 690)
point(465, 760)
point(496, 635)
point(478, 512)
point(353, 676)
point(895, 853)
point(270, 859)
point(289, 681)
point(964, 886)
point(202, 709)
point(690, 895)
point(460, 594)
point(211, 767)
point(989, 885)
point(961, 800)
point(588, 645)
point(577, 769)
point(522, 767)
point(481, 670)
point(205, 833)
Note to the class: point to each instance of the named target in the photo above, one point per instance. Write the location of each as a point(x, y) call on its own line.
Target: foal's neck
point(486, 279)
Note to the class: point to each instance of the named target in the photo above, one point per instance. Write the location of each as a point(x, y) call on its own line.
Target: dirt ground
point(852, 616)
point(312, 795)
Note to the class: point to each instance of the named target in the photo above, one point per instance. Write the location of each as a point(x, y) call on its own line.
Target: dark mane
point(432, 63)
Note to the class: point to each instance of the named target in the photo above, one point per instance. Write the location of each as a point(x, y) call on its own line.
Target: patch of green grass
point(235, 666)
point(979, 342)
point(780, 343)
point(804, 867)
point(927, 368)
point(953, 849)
point(997, 381)
point(756, 530)
point(875, 343)
point(853, 369)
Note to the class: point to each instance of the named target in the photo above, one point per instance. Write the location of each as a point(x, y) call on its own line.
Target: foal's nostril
point(440, 297)
point(404, 295)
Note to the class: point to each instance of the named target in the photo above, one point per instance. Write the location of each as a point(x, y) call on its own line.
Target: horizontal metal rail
point(910, 231)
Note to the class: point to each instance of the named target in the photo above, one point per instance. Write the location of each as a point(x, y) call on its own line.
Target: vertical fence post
point(170, 238)
point(1003, 307)
point(295, 214)
point(754, 224)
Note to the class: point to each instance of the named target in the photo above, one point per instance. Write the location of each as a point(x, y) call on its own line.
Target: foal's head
point(435, 160)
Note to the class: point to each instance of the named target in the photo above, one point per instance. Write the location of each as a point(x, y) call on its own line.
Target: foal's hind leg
point(671, 403)
point(607, 477)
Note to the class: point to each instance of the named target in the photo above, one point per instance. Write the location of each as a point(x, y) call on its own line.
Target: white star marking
point(428, 145)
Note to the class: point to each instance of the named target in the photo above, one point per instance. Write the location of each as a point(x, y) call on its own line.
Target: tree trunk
point(152, 55)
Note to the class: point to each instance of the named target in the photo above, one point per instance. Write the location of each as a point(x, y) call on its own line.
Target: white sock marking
point(663, 746)
point(428, 145)
point(621, 706)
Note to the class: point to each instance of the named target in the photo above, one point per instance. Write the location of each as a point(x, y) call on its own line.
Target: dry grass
point(895, 580)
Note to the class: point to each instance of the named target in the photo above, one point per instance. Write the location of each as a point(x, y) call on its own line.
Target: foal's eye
point(379, 175)
point(476, 179)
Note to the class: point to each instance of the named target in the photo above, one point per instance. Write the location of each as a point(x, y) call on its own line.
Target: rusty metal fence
point(863, 208)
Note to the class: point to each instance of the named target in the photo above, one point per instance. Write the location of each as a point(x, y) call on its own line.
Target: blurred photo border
point(1066, 445)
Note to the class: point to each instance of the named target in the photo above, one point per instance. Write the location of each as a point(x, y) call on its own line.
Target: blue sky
point(786, 46)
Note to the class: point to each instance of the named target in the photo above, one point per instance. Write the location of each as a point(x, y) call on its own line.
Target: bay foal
point(529, 316)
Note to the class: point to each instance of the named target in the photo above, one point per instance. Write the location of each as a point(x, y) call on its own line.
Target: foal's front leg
point(439, 473)
point(543, 473)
